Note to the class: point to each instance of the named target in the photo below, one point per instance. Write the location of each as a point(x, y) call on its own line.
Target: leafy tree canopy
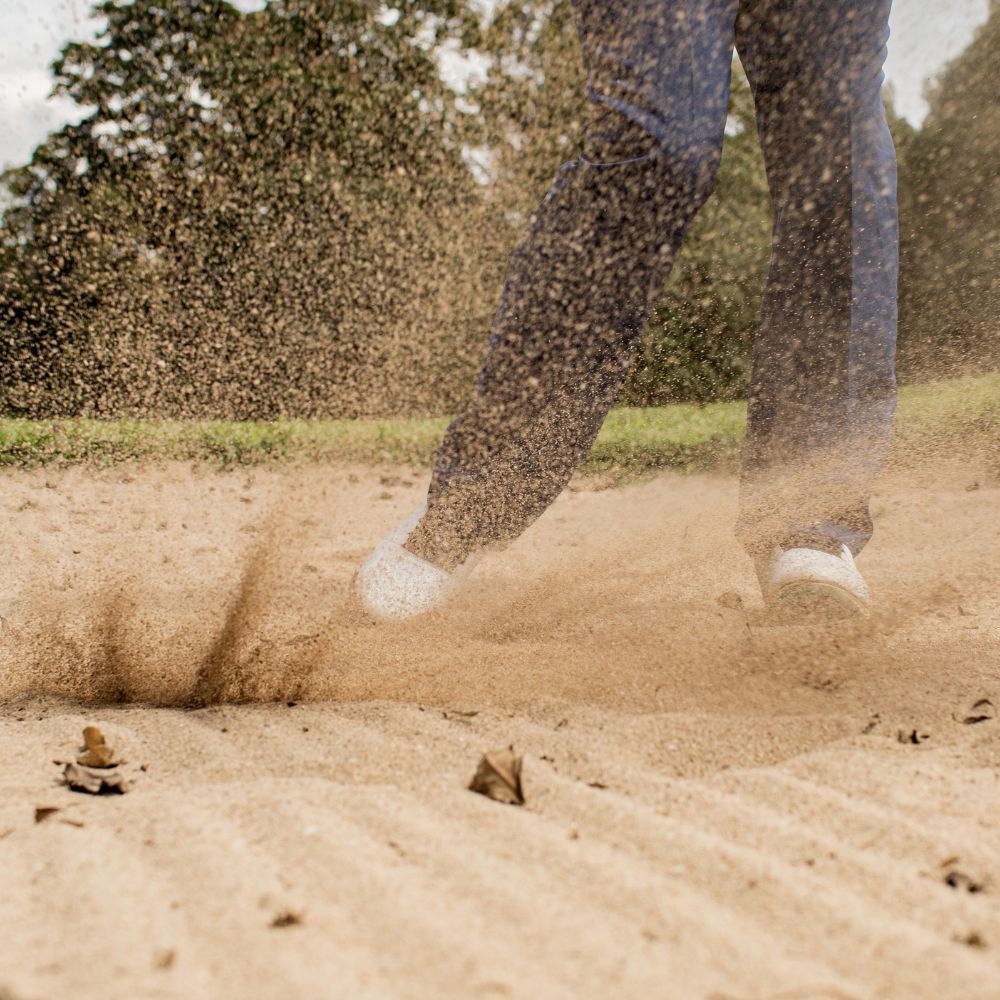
point(265, 190)
point(950, 211)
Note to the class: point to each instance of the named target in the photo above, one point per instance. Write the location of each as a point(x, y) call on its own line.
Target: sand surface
point(716, 808)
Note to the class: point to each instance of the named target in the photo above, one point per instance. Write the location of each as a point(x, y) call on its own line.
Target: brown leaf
point(498, 777)
point(973, 939)
point(287, 918)
point(457, 715)
point(959, 880)
point(101, 757)
point(164, 959)
point(93, 738)
point(982, 711)
point(85, 779)
point(96, 752)
point(871, 725)
point(42, 813)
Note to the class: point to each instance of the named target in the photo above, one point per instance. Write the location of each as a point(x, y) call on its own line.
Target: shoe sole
point(816, 602)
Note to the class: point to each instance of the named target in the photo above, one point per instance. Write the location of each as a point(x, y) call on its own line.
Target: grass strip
point(632, 441)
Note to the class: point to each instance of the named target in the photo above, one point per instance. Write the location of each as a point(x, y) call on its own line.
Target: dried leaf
point(973, 939)
point(498, 777)
point(164, 959)
point(95, 782)
point(457, 715)
point(959, 880)
point(102, 757)
point(287, 918)
point(983, 711)
point(93, 738)
point(96, 752)
point(42, 813)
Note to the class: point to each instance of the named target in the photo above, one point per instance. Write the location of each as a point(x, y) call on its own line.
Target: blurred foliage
point(262, 214)
point(957, 419)
point(950, 217)
point(272, 214)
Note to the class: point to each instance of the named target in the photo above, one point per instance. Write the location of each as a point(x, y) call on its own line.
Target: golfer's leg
point(582, 282)
point(823, 385)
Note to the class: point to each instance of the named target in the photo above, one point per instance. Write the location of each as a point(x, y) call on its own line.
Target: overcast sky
point(926, 34)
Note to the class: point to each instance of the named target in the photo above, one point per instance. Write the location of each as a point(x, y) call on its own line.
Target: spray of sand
point(635, 597)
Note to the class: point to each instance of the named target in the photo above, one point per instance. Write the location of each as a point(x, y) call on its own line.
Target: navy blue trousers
point(584, 279)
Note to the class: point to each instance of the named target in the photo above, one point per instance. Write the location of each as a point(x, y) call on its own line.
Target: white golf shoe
point(393, 584)
point(812, 583)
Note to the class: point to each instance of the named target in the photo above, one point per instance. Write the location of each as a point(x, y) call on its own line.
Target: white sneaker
point(814, 583)
point(393, 584)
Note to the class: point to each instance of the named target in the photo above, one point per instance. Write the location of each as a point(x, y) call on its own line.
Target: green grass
point(937, 414)
point(632, 440)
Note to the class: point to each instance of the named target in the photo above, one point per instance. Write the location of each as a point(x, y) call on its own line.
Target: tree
point(950, 217)
point(254, 219)
point(76, 251)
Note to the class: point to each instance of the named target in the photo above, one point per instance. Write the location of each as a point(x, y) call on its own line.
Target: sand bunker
point(715, 807)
